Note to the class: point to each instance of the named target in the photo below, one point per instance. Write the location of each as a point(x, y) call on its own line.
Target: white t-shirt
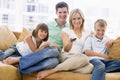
point(78, 44)
point(24, 49)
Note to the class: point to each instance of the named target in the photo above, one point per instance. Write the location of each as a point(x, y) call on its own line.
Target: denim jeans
point(103, 66)
point(40, 60)
point(11, 51)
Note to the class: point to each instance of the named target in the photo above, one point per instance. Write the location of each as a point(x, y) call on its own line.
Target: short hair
point(101, 23)
point(41, 26)
point(61, 5)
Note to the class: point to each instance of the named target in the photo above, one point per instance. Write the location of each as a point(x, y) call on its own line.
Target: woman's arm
point(67, 43)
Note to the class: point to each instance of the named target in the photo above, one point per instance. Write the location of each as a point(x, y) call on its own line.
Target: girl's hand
point(45, 44)
point(56, 46)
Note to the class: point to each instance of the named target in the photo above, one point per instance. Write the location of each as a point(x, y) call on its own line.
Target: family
point(58, 46)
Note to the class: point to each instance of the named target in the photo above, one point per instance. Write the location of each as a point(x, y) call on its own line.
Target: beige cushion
point(24, 33)
point(7, 38)
point(8, 72)
point(114, 50)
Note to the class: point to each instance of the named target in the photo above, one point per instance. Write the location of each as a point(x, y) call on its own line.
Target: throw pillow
point(24, 33)
point(114, 50)
point(7, 38)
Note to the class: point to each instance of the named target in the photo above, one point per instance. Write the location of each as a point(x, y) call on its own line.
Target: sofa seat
point(8, 72)
point(71, 76)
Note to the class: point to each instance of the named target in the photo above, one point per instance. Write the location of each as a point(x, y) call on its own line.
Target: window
point(43, 8)
point(5, 18)
point(30, 8)
point(7, 4)
point(30, 1)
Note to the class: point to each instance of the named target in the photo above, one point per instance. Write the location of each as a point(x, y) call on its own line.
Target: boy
point(96, 48)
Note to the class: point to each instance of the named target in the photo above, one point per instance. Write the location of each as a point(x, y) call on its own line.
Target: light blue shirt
point(96, 45)
point(55, 32)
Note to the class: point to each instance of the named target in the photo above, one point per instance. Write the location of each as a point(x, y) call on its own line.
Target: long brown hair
point(41, 26)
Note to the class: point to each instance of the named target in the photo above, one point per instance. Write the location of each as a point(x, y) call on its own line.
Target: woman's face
point(76, 20)
point(42, 34)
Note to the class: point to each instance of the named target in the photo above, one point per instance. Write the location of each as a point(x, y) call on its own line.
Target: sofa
point(10, 72)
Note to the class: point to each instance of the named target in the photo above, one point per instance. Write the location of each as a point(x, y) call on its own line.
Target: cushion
point(114, 50)
point(24, 33)
point(7, 38)
point(8, 72)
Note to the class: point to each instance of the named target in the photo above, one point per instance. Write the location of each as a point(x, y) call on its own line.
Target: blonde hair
point(72, 13)
point(101, 23)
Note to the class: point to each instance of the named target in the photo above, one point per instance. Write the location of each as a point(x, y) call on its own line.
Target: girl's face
point(76, 20)
point(100, 31)
point(42, 34)
point(62, 14)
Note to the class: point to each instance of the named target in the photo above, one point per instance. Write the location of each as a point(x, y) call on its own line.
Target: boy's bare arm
point(92, 53)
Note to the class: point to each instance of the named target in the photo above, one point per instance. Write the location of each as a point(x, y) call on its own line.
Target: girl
point(32, 43)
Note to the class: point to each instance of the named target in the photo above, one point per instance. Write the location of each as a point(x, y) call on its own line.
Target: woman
point(73, 41)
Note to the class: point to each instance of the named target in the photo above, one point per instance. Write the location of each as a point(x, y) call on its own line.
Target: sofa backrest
point(8, 38)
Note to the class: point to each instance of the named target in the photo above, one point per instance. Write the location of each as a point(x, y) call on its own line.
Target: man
point(56, 26)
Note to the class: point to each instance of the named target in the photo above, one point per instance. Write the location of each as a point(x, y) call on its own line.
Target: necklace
point(78, 34)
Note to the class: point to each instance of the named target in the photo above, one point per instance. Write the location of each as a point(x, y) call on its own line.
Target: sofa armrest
point(17, 34)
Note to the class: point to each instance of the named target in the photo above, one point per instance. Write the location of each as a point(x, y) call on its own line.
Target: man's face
point(62, 14)
point(100, 32)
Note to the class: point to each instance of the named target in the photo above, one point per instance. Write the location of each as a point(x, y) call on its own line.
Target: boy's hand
point(109, 44)
point(105, 56)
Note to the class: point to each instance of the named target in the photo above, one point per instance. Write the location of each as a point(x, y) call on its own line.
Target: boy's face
point(62, 14)
point(100, 32)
